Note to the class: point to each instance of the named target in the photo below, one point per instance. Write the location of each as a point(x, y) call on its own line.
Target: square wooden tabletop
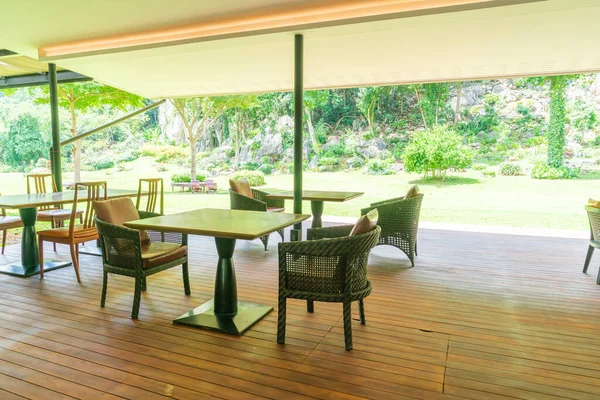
point(232, 224)
point(316, 195)
point(16, 201)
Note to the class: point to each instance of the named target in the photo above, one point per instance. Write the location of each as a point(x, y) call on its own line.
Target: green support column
point(55, 149)
point(296, 233)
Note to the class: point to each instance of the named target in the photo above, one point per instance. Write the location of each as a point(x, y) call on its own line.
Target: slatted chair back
point(156, 193)
point(594, 218)
point(93, 191)
point(42, 183)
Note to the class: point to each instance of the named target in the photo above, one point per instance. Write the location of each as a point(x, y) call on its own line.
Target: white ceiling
point(547, 37)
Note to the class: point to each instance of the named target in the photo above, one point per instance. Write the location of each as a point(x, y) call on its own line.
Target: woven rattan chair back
point(594, 218)
point(93, 191)
point(42, 183)
point(155, 193)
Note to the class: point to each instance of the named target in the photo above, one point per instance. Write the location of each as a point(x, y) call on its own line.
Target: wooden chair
point(56, 214)
point(133, 253)
point(75, 234)
point(330, 266)
point(7, 223)
point(258, 202)
point(156, 192)
point(399, 222)
point(211, 186)
point(594, 218)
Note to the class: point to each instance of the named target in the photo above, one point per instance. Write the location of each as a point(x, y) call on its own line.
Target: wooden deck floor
point(481, 316)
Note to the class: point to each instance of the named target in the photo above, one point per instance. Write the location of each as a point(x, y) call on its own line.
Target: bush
point(127, 156)
point(266, 169)
point(254, 178)
point(250, 166)
point(510, 169)
point(100, 163)
point(435, 150)
point(328, 163)
point(480, 167)
point(164, 153)
point(542, 170)
point(42, 163)
point(490, 173)
point(355, 162)
point(179, 178)
point(379, 167)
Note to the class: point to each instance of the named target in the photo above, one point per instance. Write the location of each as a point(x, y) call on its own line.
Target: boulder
point(314, 162)
point(270, 144)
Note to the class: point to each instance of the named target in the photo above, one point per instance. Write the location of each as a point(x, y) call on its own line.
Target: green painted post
point(296, 233)
point(55, 149)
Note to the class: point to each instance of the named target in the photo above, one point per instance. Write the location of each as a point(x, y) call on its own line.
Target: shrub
point(250, 166)
point(266, 169)
point(510, 169)
point(100, 163)
point(480, 167)
point(379, 167)
point(127, 156)
point(490, 173)
point(178, 178)
point(329, 163)
point(435, 150)
point(596, 141)
point(254, 178)
point(164, 153)
point(542, 170)
point(355, 162)
point(41, 163)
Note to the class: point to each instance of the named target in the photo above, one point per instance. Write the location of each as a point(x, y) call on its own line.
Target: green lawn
point(465, 198)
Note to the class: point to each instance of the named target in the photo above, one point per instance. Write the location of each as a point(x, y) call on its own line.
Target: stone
point(271, 144)
point(314, 162)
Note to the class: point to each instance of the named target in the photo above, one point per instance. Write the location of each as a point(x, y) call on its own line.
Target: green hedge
point(180, 178)
point(510, 169)
point(254, 178)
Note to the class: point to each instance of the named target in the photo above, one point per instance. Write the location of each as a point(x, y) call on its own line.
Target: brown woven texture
point(594, 243)
point(399, 222)
point(240, 202)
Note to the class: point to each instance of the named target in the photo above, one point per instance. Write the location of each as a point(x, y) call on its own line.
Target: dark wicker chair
point(124, 254)
point(258, 203)
point(594, 217)
point(399, 222)
point(330, 266)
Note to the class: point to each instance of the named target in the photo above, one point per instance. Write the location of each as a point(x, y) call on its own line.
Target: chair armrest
point(262, 196)
point(148, 214)
point(329, 232)
point(380, 203)
point(124, 243)
point(241, 202)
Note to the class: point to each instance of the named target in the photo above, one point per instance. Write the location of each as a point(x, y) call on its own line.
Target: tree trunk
point(194, 156)
point(311, 130)
point(556, 127)
point(76, 145)
point(457, 110)
point(420, 107)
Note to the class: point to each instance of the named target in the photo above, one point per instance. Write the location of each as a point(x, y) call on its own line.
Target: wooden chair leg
point(310, 306)
point(281, 320)
point(75, 259)
point(136, 298)
point(186, 279)
point(361, 311)
point(4, 232)
point(104, 287)
point(588, 258)
point(41, 255)
point(348, 324)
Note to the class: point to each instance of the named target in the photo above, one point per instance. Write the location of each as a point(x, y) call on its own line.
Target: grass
point(465, 198)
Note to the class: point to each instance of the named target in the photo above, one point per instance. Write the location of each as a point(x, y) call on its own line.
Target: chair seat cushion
point(57, 213)
point(117, 211)
point(594, 203)
point(159, 253)
point(9, 222)
point(63, 233)
point(275, 209)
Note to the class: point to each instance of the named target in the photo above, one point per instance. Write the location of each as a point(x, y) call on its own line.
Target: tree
point(313, 99)
point(197, 115)
point(24, 142)
point(367, 101)
point(242, 105)
point(434, 150)
point(81, 97)
point(432, 100)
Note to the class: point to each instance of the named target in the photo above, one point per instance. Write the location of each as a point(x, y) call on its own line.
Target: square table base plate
point(204, 317)
point(90, 250)
point(17, 269)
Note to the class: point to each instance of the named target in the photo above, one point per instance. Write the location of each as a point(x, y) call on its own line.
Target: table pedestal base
point(204, 317)
point(17, 269)
point(90, 250)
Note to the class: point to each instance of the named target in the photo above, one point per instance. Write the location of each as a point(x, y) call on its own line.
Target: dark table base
point(90, 250)
point(17, 269)
point(203, 317)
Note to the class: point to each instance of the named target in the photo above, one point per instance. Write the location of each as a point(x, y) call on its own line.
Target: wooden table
point(27, 205)
point(223, 312)
point(317, 198)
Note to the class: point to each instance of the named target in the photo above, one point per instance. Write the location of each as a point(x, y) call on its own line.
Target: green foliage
point(583, 115)
point(596, 141)
point(355, 162)
point(379, 167)
point(168, 154)
point(329, 163)
point(510, 169)
point(490, 173)
point(182, 178)
point(266, 168)
point(99, 163)
point(556, 127)
point(480, 167)
point(367, 100)
point(542, 170)
point(24, 142)
point(249, 166)
point(433, 151)
point(127, 156)
point(254, 178)
point(482, 122)
point(432, 100)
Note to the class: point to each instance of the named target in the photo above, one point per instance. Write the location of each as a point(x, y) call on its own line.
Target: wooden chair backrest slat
point(39, 183)
point(95, 191)
point(156, 192)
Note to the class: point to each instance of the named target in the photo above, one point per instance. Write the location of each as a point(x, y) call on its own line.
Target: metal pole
point(55, 149)
point(296, 233)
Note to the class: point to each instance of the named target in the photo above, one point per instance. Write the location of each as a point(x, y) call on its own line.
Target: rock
point(378, 142)
point(245, 155)
point(370, 152)
point(271, 144)
point(314, 162)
